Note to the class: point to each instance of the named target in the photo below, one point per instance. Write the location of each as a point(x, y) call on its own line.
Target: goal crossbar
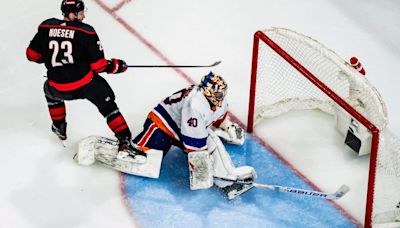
point(260, 36)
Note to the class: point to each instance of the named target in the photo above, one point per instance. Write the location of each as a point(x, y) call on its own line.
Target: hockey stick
point(330, 196)
point(212, 65)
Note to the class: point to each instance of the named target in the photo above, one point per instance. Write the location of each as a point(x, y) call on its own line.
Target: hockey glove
point(116, 66)
point(231, 132)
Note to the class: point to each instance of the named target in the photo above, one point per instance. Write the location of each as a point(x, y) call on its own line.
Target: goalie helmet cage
point(291, 71)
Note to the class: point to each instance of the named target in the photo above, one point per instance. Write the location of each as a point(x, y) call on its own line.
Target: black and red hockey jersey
point(71, 52)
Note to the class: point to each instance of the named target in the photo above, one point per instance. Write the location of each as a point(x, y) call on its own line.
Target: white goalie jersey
point(185, 116)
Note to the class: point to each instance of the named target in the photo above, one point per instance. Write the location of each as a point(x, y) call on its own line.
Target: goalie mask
point(214, 88)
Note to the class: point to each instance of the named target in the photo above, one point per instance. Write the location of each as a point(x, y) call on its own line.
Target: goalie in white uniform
point(192, 119)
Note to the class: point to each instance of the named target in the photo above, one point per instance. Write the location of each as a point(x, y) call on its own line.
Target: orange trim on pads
point(144, 149)
point(147, 135)
point(160, 124)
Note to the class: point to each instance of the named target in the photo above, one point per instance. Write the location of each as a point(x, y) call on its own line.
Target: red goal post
point(293, 71)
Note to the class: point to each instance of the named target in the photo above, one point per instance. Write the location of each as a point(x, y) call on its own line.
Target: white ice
point(41, 186)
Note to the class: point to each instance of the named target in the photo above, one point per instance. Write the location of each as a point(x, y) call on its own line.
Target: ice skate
point(128, 152)
point(60, 131)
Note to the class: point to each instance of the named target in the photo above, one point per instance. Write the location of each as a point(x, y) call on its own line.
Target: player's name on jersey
point(58, 32)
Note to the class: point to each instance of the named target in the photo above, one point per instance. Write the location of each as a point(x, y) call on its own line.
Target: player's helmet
point(214, 88)
point(72, 6)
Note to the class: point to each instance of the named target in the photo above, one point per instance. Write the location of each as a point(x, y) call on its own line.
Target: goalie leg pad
point(201, 170)
point(233, 190)
point(85, 155)
point(223, 165)
point(245, 173)
point(104, 151)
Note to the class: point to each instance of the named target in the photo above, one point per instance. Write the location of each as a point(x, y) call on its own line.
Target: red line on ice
point(131, 30)
point(142, 39)
point(120, 5)
point(125, 199)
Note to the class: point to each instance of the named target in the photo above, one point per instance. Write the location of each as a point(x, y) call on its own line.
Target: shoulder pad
point(57, 23)
point(83, 26)
point(52, 21)
point(198, 102)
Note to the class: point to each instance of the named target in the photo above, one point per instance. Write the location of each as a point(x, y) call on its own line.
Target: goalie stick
point(212, 65)
point(330, 196)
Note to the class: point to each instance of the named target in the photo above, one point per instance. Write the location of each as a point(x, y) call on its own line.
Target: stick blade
point(340, 192)
point(216, 63)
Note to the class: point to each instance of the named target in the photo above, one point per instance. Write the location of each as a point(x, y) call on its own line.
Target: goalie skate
point(235, 190)
point(104, 151)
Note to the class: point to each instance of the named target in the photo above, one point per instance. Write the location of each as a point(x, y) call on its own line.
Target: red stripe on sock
point(58, 117)
point(57, 111)
point(117, 122)
point(120, 128)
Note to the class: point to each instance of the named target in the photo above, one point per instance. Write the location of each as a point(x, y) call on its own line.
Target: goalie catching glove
point(230, 132)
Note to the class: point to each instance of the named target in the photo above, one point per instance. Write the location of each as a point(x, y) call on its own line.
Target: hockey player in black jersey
point(73, 56)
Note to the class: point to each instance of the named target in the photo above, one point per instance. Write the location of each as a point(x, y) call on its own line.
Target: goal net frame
point(259, 37)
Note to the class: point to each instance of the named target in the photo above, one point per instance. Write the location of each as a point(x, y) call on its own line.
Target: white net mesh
point(281, 88)
point(282, 85)
point(386, 208)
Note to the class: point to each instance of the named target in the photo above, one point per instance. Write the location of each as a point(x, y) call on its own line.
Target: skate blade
point(63, 143)
point(234, 194)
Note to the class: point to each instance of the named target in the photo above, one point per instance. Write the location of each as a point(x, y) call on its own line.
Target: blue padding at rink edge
point(169, 202)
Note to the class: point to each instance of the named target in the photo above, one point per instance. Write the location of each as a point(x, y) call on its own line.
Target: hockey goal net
point(292, 71)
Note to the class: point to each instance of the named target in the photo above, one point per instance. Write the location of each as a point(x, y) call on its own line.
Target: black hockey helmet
point(72, 6)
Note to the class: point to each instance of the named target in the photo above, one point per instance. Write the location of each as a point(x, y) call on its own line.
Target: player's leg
point(153, 137)
point(224, 170)
point(102, 96)
point(200, 163)
point(56, 106)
